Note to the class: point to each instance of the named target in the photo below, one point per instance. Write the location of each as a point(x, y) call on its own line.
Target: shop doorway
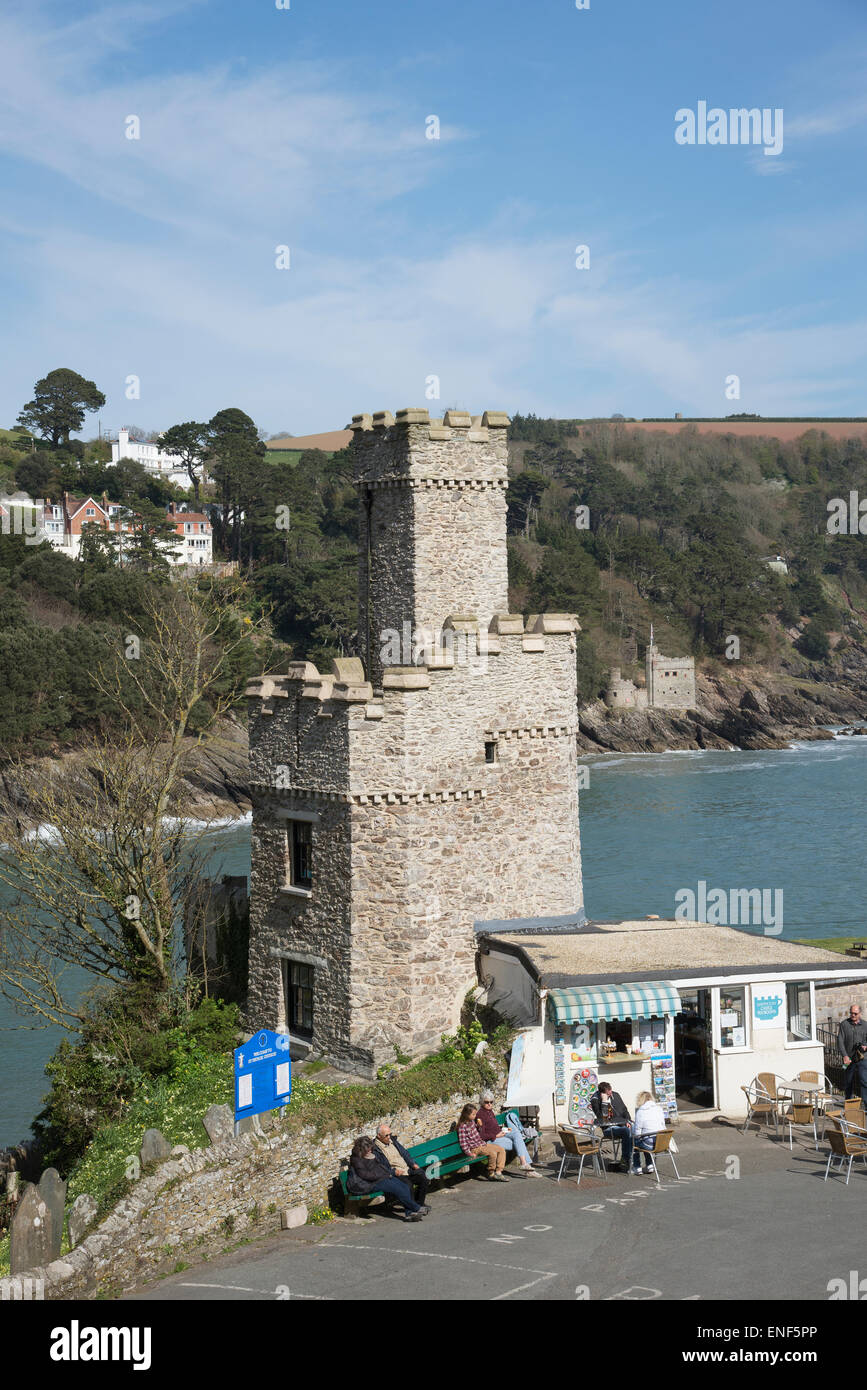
point(693, 1052)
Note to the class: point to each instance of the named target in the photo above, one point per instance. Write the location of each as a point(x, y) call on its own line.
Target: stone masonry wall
point(416, 836)
point(832, 1001)
point(432, 522)
point(194, 1206)
point(439, 793)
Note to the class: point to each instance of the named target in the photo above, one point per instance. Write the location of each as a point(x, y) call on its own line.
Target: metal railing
point(835, 1069)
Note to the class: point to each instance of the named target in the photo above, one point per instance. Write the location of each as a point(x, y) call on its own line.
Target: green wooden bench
point(437, 1157)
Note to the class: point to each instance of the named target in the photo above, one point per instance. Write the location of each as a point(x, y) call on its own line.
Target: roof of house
point(330, 442)
point(642, 950)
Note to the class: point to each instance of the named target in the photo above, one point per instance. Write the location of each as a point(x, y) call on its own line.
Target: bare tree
point(107, 866)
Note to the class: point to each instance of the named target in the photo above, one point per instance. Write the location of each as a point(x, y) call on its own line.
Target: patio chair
point(581, 1146)
point(849, 1110)
point(844, 1148)
point(801, 1113)
point(661, 1145)
point(760, 1106)
point(771, 1084)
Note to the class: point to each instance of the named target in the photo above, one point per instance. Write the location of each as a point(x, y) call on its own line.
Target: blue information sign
point(263, 1074)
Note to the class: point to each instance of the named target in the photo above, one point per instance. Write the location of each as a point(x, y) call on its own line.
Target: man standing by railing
point(852, 1042)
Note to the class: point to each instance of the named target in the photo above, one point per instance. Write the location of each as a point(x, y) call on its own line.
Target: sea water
point(651, 826)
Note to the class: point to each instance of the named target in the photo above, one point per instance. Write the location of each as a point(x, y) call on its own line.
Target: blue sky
point(413, 258)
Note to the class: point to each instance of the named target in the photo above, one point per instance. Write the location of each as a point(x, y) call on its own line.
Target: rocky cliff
point(750, 710)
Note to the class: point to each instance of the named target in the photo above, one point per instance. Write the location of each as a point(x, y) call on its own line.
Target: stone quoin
point(395, 806)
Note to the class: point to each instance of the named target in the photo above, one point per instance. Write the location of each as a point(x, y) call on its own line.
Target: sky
point(422, 271)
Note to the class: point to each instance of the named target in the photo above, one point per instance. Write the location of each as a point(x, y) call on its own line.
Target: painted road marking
point(266, 1293)
point(431, 1255)
point(521, 1287)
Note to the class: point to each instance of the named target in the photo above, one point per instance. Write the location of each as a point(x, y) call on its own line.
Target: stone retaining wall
point(199, 1204)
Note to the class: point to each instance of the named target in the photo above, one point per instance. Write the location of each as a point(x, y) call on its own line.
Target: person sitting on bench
point(507, 1138)
point(367, 1174)
point(393, 1156)
point(474, 1145)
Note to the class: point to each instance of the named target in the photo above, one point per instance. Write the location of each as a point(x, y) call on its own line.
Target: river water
point(790, 821)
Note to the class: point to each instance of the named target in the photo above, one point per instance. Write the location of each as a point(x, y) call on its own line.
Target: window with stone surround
point(299, 836)
point(491, 751)
point(298, 982)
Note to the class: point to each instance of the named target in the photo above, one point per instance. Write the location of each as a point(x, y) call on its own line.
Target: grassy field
point(833, 943)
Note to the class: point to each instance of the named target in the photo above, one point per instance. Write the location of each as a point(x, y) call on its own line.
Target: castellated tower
point(424, 786)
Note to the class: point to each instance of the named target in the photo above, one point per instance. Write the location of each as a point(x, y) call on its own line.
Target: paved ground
point(750, 1221)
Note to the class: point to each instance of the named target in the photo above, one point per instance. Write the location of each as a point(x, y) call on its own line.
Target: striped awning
point(647, 999)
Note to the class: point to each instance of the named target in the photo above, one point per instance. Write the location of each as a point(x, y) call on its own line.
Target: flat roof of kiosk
point(675, 949)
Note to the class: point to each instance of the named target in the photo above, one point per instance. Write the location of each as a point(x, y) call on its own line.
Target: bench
point(438, 1157)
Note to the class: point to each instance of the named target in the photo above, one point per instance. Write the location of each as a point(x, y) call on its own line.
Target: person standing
point(614, 1119)
point(474, 1145)
point(851, 1037)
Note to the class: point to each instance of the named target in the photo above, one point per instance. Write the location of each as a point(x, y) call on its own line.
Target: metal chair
point(771, 1083)
point(801, 1113)
point(844, 1147)
point(760, 1104)
point(849, 1110)
point(578, 1146)
point(661, 1145)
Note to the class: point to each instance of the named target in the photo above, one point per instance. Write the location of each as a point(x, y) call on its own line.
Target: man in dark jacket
point(614, 1119)
point(391, 1154)
point(851, 1037)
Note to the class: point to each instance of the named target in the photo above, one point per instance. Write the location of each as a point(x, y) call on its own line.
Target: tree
point(107, 891)
point(60, 401)
point(190, 442)
point(235, 452)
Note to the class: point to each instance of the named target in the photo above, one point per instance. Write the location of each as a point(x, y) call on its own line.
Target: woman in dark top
point(367, 1173)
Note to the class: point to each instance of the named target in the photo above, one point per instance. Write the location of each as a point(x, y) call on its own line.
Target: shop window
point(299, 835)
point(299, 997)
point(732, 1017)
point(799, 1013)
point(618, 1035)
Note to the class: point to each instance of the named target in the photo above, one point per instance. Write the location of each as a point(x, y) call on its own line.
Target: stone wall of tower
point(432, 520)
point(670, 680)
point(444, 796)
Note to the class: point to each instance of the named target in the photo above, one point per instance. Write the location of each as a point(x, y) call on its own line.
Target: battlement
point(460, 642)
point(432, 522)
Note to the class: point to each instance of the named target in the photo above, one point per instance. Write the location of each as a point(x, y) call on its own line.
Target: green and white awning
point(647, 999)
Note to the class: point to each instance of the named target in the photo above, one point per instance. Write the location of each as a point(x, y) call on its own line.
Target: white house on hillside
point(151, 457)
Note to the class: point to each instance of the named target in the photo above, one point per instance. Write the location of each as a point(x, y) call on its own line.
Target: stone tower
point(429, 783)
point(670, 680)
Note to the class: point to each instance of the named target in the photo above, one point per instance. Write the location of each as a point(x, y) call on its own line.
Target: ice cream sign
point(768, 1006)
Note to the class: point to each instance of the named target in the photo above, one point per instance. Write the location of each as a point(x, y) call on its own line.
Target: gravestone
point(154, 1147)
point(37, 1227)
point(81, 1214)
point(219, 1123)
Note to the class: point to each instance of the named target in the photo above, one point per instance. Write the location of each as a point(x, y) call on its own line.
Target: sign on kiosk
point(263, 1074)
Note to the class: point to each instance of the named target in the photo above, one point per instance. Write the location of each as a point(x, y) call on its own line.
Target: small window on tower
point(301, 853)
point(490, 751)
